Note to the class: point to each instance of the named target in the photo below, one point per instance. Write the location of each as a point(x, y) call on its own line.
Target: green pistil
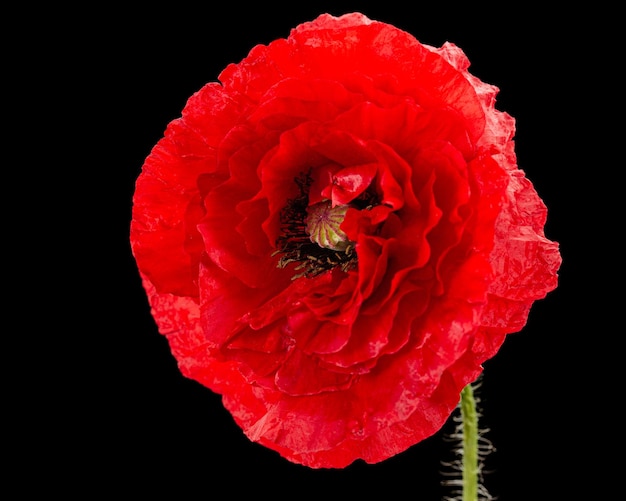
point(323, 223)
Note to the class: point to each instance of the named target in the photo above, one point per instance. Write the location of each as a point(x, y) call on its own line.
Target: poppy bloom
point(336, 235)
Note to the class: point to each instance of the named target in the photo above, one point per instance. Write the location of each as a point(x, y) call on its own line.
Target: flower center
point(323, 223)
point(311, 235)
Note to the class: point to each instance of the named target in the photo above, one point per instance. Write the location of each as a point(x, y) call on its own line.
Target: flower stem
point(470, 444)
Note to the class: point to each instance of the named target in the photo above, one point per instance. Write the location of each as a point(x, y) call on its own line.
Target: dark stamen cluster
point(295, 245)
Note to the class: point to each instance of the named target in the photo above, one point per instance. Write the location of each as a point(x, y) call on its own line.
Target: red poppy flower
point(336, 236)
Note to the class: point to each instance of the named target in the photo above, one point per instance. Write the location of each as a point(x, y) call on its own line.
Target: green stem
point(470, 444)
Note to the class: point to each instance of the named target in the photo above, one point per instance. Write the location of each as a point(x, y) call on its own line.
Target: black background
point(126, 419)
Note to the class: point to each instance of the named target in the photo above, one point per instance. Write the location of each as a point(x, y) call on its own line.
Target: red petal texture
point(361, 362)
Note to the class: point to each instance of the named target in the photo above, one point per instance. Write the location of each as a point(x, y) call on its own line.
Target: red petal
point(302, 375)
point(350, 182)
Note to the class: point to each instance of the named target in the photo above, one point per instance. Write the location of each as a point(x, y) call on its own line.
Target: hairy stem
point(470, 444)
point(463, 473)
